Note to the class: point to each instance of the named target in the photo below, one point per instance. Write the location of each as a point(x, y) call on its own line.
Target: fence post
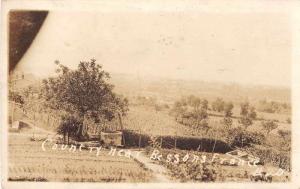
point(140, 140)
point(175, 143)
point(161, 140)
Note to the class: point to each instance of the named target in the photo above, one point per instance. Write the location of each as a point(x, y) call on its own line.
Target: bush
point(193, 172)
point(237, 137)
point(269, 125)
point(270, 155)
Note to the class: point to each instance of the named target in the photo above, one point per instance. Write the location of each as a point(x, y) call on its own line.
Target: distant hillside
point(21, 80)
point(168, 90)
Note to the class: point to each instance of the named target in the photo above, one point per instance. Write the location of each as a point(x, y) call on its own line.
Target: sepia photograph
point(149, 93)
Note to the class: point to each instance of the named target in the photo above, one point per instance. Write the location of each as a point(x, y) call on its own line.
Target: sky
point(245, 48)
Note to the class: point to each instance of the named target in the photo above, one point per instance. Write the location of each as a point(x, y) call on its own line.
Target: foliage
point(248, 114)
point(192, 111)
point(193, 172)
point(285, 134)
point(238, 137)
point(218, 105)
point(269, 125)
point(83, 92)
point(228, 109)
point(275, 157)
point(273, 107)
point(227, 120)
point(286, 139)
point(16, 97)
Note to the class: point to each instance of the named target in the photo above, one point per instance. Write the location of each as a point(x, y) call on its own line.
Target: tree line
point(193, 111)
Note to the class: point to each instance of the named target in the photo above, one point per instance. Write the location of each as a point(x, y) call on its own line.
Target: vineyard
point(27, 162)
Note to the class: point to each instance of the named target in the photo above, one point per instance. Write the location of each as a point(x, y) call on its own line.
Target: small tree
point(201, 116)
point(227, 120)
point(286, 137)
point(204, 104)
point(194, 102)
point(218, 105)
point(248, 114)
point(269, 125)
point(228, 107)
point(178, 109)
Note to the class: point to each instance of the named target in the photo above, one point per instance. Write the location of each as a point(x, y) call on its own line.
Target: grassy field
point(28, 162)
point(147, 120)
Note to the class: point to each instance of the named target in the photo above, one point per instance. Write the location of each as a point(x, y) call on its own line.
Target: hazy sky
point(245, 48)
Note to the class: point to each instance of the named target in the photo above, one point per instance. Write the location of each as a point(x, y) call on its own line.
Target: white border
point(291, 8)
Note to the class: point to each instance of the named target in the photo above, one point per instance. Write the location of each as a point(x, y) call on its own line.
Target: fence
point(137, 139)
point(134, 138)
point(43, 119)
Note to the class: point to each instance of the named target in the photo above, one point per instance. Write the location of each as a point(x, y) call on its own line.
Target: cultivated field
point(149, 121)
point(28, 162)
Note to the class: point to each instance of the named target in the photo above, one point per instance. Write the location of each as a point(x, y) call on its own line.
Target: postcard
point(143, 94)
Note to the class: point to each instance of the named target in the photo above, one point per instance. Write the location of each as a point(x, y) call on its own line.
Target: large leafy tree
point(83, 92)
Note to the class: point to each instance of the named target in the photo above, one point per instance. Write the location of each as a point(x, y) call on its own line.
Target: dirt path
point(160, 172)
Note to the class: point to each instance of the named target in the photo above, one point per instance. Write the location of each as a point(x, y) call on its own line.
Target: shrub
point(269, 125)
point(270, 155)
point(237, 137)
